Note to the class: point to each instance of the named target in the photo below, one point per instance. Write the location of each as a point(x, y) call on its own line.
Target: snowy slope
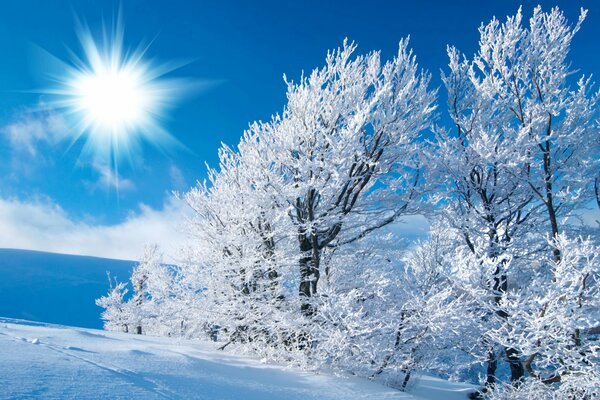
point(56, 362)
point(56, 288)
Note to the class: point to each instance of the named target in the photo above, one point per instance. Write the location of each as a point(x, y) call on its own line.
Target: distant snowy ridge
point(57, 288)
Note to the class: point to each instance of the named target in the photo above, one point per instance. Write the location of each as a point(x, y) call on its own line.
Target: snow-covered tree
point(236, 266)
point(481, 164)
point(152, 284)
point(148, 310)
point(520, 153)
point(550, 321)
point(525, 75)
point(346, 127)
point(432, 317)
point(291, 260)
point(346, 148)
point(115, 314)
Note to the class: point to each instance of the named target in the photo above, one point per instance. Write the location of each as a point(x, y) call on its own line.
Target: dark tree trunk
point(500, 287)
point(397, 343)
point(549, 191)
point(268, 248)
point(517, 372)
point(406, 379)
point(553, 220)
point(492, 364)
point(309, 273)
point(139, 299)
point(512, 355)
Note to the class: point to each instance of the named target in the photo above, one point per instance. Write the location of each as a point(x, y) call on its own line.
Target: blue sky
point(52, 199)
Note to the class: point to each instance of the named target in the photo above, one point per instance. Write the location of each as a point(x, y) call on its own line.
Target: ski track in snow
point(55, 362)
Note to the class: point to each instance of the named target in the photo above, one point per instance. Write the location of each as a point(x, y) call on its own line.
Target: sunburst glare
point(115, 98)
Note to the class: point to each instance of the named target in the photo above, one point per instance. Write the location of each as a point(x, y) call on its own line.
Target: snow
point(78, 363)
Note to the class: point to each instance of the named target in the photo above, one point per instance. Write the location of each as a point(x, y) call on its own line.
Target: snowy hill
point(55, 288)
point(57, 362)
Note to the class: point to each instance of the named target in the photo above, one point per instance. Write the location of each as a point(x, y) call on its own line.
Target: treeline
point(295, 258)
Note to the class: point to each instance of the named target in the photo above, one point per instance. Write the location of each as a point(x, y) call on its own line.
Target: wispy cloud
point(34, 127)
point(177, 179)
point(411, 227)
point(108, 178)
point(45, 226)
point(32, 136)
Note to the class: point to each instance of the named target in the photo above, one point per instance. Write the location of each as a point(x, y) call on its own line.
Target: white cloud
point(32, 127)
point(32, 134)
point(109, 178)
point(177, 179)
point(411, 227)
point(45, 226)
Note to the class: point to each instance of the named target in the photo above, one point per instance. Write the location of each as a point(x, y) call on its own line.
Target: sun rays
point(114, 98)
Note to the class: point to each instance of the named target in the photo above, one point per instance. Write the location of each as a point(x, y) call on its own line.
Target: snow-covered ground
point(57, 362)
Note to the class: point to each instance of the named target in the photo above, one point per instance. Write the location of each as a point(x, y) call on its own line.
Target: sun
point(114, 97)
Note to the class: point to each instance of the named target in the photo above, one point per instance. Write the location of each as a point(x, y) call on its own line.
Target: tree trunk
point(309, 274)
point(512, 355)
point(517, 371)
point(500, 287)
point(406, 379)
point(139, 300)
point(549, 194)
point(491, 369)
